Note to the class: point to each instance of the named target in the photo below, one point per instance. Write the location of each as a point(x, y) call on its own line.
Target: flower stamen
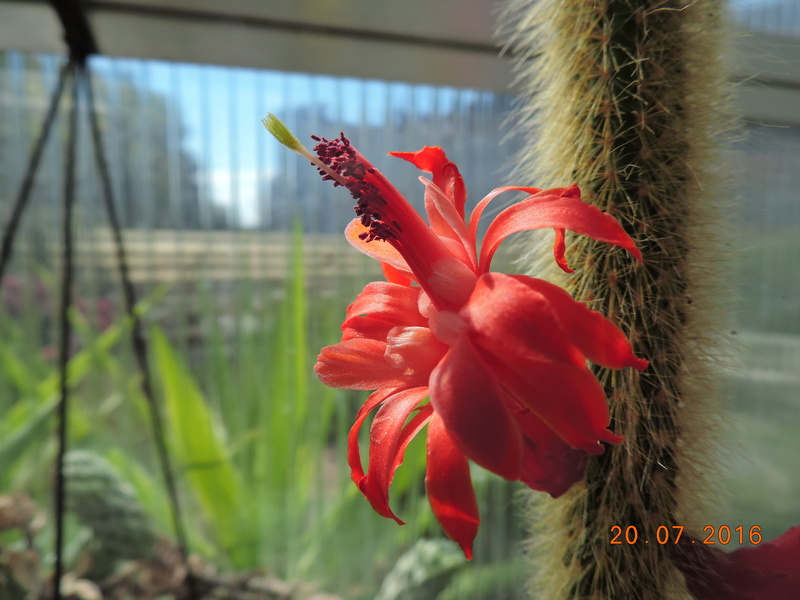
point(340, 156)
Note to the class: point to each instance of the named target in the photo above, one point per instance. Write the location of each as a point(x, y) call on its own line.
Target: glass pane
point(237, 247)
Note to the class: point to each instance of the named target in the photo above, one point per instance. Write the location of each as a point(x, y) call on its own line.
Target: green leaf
point(197, 441)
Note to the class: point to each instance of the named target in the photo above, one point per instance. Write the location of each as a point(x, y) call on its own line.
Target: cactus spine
point(621, 97)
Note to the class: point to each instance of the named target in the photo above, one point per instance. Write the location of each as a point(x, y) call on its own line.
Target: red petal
point(508, 317)
point(475, 216)
point(450, 280)
point(519, 333)
point(472, 405)
point(560, 249)
point(558, 208)
point(416, 249)
point(449, 487)
point(433, 160)
point(390, 302)
point(769, 571)
point(447, 222)
point(353, 452)
point(549, 464)
point(394, 275)
point(569, 399)
point(414, 351)
point(596, 337)
point(426, 255)
point(366, 327)
point(377, 249)
point(380, 307)
point(425, 306)
point(357, 364)
point(388, 438)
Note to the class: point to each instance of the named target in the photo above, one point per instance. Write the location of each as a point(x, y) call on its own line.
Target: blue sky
point(220, 109)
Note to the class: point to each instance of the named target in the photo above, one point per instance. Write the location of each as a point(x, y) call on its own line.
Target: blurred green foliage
point(258, 444)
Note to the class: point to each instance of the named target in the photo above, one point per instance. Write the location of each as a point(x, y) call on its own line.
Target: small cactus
point(102, 501)
point(422, 572)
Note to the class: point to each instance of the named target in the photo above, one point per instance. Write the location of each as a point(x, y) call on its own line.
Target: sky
point(220, 110)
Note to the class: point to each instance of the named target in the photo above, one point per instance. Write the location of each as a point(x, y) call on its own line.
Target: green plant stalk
point(621, 98)
point(31, 387)
point(198, 442)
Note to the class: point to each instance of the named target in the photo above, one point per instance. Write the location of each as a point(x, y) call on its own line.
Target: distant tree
point(153, 173)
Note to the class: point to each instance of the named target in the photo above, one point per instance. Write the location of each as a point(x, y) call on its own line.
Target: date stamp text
point(723, 535)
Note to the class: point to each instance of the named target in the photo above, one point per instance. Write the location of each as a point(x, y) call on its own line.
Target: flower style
point(501, 359)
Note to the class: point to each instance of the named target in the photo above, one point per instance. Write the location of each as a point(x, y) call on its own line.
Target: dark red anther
point(359, 175)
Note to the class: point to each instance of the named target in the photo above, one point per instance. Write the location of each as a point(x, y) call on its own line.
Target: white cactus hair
point(626, 98)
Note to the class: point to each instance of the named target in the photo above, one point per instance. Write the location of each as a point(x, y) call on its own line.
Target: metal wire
point(79, 74)
point(137, 335)
point(33, 164)
point(64, 324)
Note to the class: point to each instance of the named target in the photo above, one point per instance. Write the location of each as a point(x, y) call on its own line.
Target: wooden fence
point(175, 256)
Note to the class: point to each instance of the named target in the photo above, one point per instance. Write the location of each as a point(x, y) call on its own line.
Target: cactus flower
point(495, 365)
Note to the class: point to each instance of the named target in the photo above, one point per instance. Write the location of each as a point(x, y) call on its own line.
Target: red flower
point(769, 571)
point(501, 358)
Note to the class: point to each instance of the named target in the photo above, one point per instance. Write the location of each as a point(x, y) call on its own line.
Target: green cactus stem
point(622, 97)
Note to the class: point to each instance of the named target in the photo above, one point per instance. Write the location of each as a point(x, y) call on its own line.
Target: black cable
point(64, 326)
point(79, 38)
point(137, 335)
point(30, 171)
point(78, 33)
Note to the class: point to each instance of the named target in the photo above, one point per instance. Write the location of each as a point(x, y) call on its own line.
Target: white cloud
point(238, 191)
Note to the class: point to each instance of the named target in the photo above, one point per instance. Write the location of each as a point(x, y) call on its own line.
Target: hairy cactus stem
point(620, 97)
